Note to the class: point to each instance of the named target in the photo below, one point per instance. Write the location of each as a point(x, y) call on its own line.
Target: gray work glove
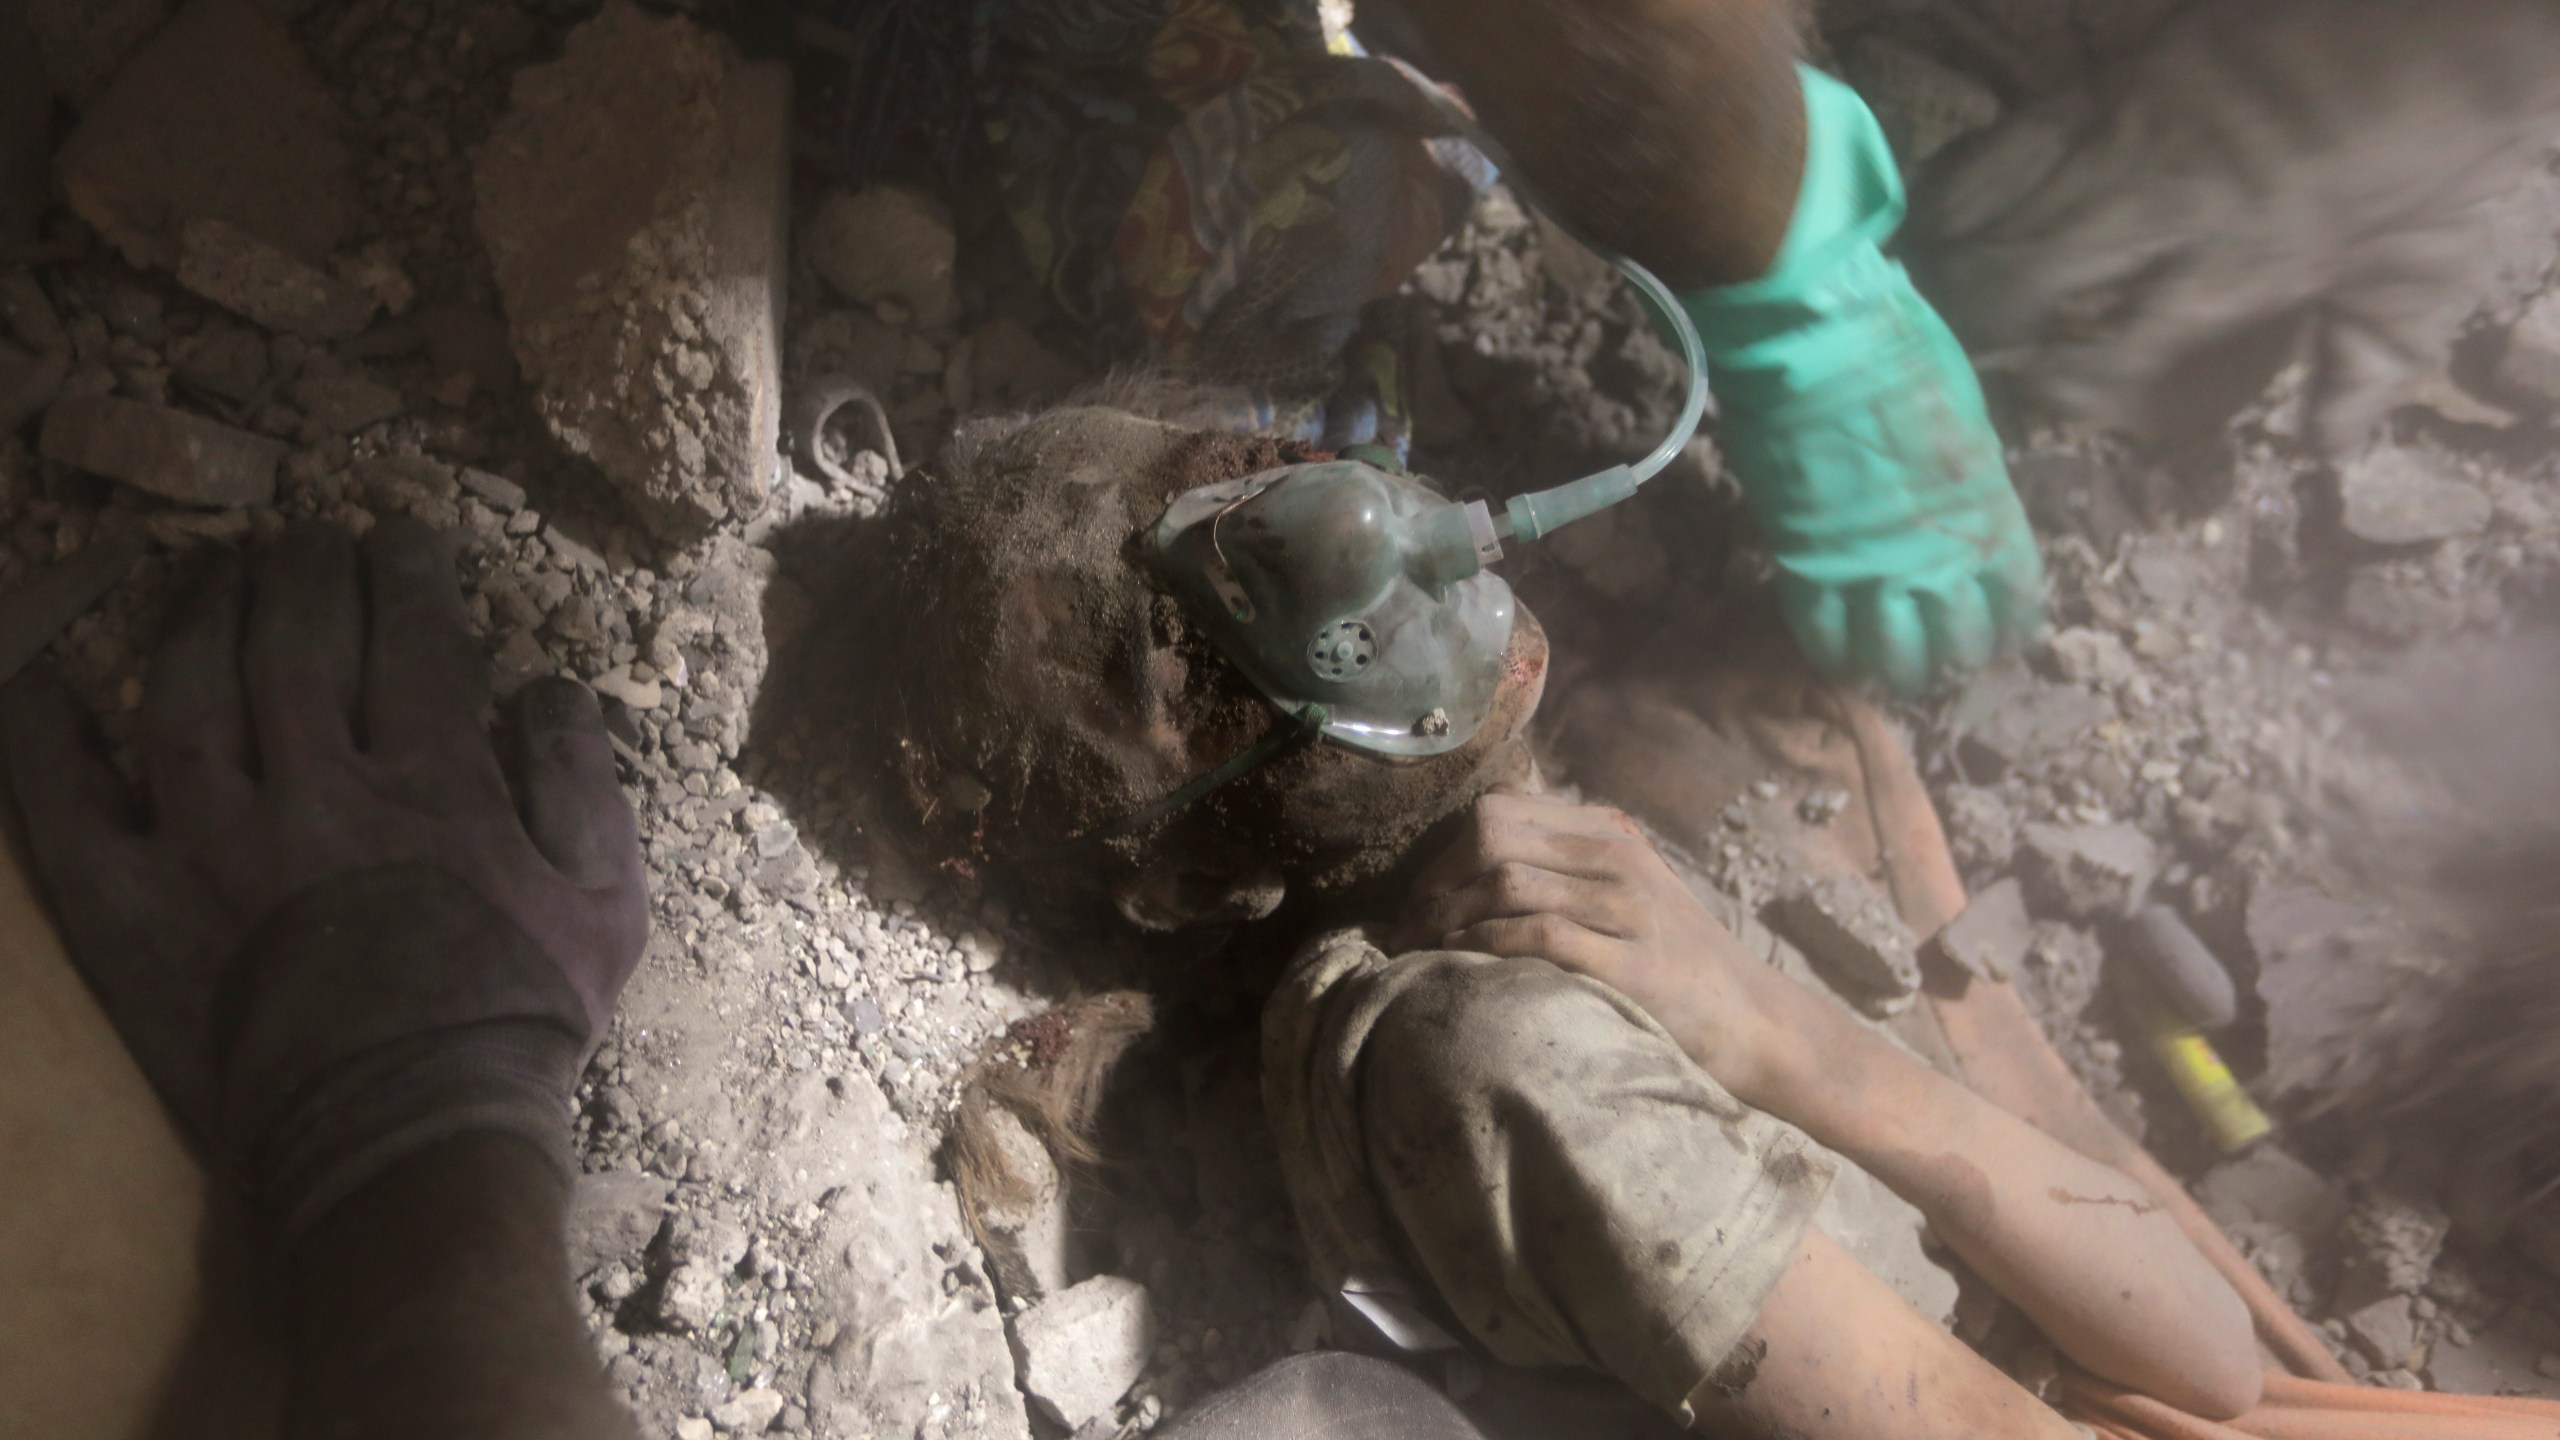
point(332, 934)
point(2321, 161)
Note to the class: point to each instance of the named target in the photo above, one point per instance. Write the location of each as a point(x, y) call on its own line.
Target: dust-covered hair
point(1011, 629)
point(1007, 631)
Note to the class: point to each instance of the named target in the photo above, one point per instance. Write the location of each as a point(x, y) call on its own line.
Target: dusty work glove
point(1853, 421)
point(332, 934)
point(2316, 162)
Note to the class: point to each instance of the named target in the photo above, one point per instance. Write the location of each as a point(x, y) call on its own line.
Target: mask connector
point(1533, 517)
point(1453, 542)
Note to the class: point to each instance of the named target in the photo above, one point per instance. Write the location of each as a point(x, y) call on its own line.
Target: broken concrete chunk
point(1991, 937)
point(1850, 934)
point(167, 452)
point(345, 404)
point(374, 271)
point(887, 243)
point(1082, 1348)
point(749, 1412)
point(2268, 1186)
point(2392, 495)
point(2529, 361)
point(253, 279)
point(496, 491)
point(2086, 872)
point(2386, 1332)
point(1981, 828)
point(407, 481)
point(694, 1294)
point(619, 684)
point(1025, 1233)
point(217, 118)
point(2389, 1245)
point(633, 203)
point(2045, 720)
point(613, 1215)
point(224, 359)
point(2093, 657)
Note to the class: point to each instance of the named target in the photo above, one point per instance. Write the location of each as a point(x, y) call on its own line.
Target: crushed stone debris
point(310, 278)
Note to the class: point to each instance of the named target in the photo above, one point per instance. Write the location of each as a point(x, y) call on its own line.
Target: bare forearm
point(435, 1305)
point(2091, 1256)
point(1671, 130)
point(1836, 1355)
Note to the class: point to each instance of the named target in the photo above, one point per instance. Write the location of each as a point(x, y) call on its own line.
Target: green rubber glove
point(1855, 424)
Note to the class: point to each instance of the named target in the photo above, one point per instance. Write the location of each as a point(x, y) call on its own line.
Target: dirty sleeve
point(1525, 1153)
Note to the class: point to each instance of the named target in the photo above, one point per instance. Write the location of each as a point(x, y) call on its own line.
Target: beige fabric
point(121, 1292)
point(1535, 1150)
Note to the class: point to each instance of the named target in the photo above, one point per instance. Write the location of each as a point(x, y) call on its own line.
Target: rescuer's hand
point(1580, 887)
point(330, 931)
point(1852, 419)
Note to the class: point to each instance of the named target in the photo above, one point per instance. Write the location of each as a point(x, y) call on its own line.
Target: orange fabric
point(2299, 1409)
point(2005, 1056)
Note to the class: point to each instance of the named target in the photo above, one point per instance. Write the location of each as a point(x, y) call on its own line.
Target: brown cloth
point(1535, 1148)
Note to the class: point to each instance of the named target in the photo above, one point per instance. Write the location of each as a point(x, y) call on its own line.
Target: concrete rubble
point(613, 1215)
point(1850, 933)
point(2028, 723)
point(2391, 1244)
point(1991, 938)
point(2391, 496)
point(2086, 872)
point(2528, 364)
point(170, 453)
point(632, 203)
point(260, 282)
point(1083, 1347)
point(219, 117)
point(2268, 1186)
point(399, 259)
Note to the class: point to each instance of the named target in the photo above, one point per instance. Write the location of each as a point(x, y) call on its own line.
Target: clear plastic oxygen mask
point(1358, 600)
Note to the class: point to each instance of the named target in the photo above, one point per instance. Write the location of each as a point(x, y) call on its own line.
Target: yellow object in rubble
point(2212, 1091)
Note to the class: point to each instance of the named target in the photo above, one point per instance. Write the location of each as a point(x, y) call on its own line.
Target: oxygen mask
point(1357, 599)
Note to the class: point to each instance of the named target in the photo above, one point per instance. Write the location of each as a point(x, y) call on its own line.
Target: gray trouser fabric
point(1326, 1397)
point(1526, 1152)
